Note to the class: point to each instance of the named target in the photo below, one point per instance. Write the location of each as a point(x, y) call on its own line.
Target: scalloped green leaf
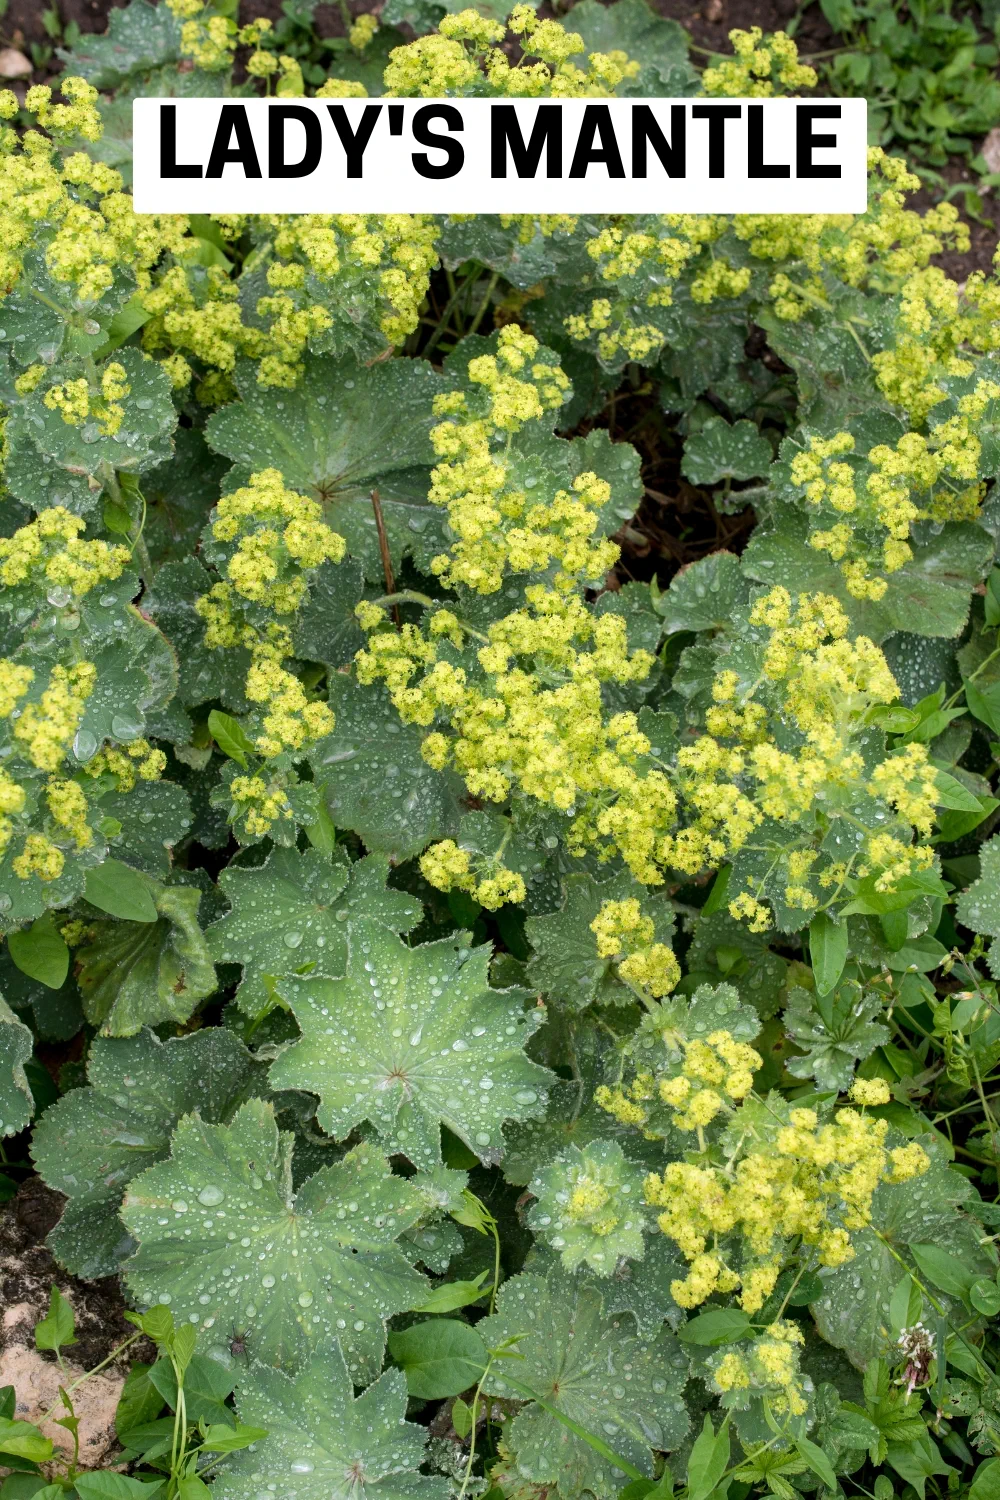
point(978, 908)
point(93, 1141)
point(344, 430)
point(375, 780)
point(591, 1368)
point(413, 1039)
point(659, 44)
point(324, 1437)
point(135, 974)
point(204, 672)
point(139, 37)
point(226, 1243)
point(292, 915)
point(706, 595)
point(721, 450)
point(16, 1046)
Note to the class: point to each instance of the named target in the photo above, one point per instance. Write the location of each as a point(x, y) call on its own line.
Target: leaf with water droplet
point(94, 1140)
point(330, 1247)
point(320, 1439)
point(295, 911)
point(593, 1369)
point(16, 1044)
point(410, 1039)
point(375, 780)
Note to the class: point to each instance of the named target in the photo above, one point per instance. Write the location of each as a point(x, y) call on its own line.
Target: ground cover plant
point(500, 721)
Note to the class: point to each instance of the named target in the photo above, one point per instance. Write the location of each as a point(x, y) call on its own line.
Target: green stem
point(490, 288)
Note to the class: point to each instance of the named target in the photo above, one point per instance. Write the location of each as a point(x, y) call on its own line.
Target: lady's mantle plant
point(503, 979)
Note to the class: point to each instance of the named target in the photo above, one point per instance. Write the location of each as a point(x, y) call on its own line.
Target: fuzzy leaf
point(93, 1141)
point(589, 1207)
point(138, 38)
point(204, 673)
point(135, 974)
point(632, 26)
point(705, 596)
point(719, 451)
point(374, 779)
point(853, 1309)
point(419, 1040)
point(323, 1437)
point(236, 1180)
point(292, 915)
point(593, 1369)
point(978, 908)
point(343, 430)
point(16, 1045)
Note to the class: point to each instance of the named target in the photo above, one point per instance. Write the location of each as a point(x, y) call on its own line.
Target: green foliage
point(500, 726)
point(287, 1305)
point(317, 1431)
point(441, 1047)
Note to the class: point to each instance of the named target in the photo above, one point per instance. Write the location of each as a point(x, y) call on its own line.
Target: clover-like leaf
point(344, 430)
point(565, 962)
point(226, 1243)
point(593, 1369)
point(94, 1140)
point(16, 1045)
point(719, 451)
point(375, 780)
point(291, 915)
point(410, 1039)
point(589, 1207)
point(134, 974)
point(324, 1442)
point(834, 1031)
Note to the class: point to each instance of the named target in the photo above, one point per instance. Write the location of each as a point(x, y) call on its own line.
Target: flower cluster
point(466, 52)
point(805, 1178)
point(448, 867)
point(624, 933)
point(50, 554)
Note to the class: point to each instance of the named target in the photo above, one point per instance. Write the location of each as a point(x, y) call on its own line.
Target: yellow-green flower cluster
point(467, 51)
point(76, 401)
point(448, 867)
point(72, 207)
point(707, 1078)
point(759, 68)
point(534, 721)
point(942, 467)
point(767, 1366)
point(49, 552)
point(624, 933)
point(260, 804)
point(45, 729)
point(280, 538)
point(497, 527)
point(280, 535)
point(806, 1179)
point(134, 761)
